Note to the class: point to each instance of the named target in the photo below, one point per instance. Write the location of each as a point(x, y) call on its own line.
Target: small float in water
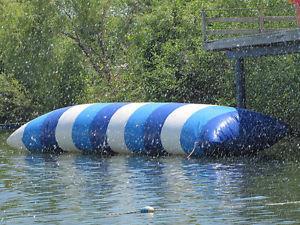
point(150, 128)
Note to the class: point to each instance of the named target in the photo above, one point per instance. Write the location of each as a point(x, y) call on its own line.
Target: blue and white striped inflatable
point(149, 128)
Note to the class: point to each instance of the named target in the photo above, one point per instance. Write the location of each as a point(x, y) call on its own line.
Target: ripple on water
point(51, 189)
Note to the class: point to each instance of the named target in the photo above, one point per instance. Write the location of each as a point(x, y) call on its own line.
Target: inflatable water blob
point(149, 128)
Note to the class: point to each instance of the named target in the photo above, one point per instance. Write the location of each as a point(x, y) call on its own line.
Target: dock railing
point(259, 23)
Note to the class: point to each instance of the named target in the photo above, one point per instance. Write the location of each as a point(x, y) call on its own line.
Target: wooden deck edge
point(261, 39)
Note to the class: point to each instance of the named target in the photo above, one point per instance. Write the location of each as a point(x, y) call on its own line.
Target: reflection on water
point(66, 189)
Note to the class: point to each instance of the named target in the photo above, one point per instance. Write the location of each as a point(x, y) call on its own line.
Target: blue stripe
point(32, 134)
point(100, 123)
point(191, 131)
point(134, 129)
point(81, 129)
point(222, 128)
point(154, 124)
point(48, 140)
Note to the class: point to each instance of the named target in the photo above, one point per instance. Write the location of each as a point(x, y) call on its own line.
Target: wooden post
point(240, 83)
point(297, 6)
point(261, 22)
point(203, 14)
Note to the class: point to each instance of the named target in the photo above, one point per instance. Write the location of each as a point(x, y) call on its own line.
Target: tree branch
point(85, 49)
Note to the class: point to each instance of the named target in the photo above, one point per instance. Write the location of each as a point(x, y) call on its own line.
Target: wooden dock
point(266, 40)
point(255, 42)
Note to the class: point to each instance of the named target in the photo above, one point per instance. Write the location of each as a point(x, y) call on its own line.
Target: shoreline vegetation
point(59, 53)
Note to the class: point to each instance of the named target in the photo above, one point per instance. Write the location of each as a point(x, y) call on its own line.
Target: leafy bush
point(14, 103)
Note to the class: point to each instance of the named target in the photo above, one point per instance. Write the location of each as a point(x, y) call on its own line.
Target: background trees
point(56, 53)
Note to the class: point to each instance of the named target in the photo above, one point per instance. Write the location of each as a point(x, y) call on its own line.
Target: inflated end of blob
point(242, 132)
point(15, 139)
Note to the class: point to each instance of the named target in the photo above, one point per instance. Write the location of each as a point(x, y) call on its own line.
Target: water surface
point(77, 189)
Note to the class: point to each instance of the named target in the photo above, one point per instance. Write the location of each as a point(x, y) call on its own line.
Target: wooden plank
point(264, 51)
point(261, 23)
point(232, 20)
point(279, 18)
point(204, 18)
point(249, 19)
point(230, 9)
point(254, 40)
point(232, 31)
point(277, 30)
point(243, 31)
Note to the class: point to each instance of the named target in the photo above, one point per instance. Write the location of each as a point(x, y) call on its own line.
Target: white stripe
point(15, 139)
point(116, 127)
point(63, 132)
point(171, 130)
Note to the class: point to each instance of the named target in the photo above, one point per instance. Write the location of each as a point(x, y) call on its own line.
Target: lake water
point(86, 189)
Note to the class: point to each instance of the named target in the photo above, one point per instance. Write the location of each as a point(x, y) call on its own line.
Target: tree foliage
point(63, 52)
point(15, 106)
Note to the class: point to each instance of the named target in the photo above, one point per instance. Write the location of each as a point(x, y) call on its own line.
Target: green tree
point(14, 102)
point(65, 52)
point(35, 54)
